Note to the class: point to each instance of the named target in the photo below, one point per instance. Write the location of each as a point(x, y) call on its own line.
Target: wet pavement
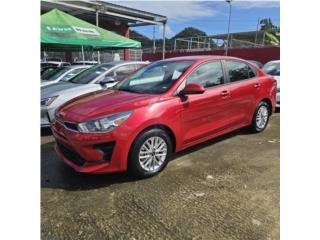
point(226, 188)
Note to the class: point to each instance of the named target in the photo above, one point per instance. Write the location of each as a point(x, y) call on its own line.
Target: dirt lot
point(227, 188)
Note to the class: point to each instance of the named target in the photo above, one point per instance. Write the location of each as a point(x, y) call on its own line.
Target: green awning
point(61, 31)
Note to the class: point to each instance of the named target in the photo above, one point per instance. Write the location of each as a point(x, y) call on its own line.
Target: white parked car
point(62, 74)
point(273, 68)
point(95, 78)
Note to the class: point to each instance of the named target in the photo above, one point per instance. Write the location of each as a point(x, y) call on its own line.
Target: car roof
point(117, 63)
point(78, 66)
point(201, 58)
point(274, 61)
point(54, 62)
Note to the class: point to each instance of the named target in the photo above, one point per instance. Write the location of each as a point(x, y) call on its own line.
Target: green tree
point(266, 24)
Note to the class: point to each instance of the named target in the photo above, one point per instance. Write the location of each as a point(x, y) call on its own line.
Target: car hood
point(64, 88)
point(47, 83)
point(100, 103)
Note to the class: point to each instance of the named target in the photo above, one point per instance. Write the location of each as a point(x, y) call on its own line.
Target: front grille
point(71, 155)
point(106, 149)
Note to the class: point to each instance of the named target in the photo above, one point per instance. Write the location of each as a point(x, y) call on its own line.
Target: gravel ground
point(226, 188)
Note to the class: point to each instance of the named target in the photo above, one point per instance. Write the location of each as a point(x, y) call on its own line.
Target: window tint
point(208, 75)
point(49, 73)
point(71, 74)
point(239, 71)
point(91, 74)
point(155, 78)
point(121, 72)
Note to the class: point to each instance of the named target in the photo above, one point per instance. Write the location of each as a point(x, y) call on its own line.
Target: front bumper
point(46, 116)
point(45, 122)
point(92, 153)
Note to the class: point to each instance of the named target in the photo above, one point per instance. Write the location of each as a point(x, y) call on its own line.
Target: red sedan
point(163, 108)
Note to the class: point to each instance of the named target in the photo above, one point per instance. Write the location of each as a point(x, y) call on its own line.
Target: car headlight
point(104, 124)
point(47, 101)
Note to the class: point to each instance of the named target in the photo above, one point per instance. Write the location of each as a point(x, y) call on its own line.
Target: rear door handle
point(257, 85)
point(225, 93)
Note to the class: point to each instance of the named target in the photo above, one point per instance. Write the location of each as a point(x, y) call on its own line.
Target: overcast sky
point(208, 16)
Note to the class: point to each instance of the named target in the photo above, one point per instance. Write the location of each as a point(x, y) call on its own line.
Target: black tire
point(254, 127)
point(134, 165)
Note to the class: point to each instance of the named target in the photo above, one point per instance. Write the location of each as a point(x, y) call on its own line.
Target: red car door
point(205, 114)
point(244, 90)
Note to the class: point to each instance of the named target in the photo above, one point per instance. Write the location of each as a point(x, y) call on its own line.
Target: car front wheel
point(150, 153)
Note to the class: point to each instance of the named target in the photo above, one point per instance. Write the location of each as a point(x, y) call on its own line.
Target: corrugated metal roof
point(108, 12)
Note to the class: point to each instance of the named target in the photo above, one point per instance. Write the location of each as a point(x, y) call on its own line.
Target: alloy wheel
point(153, 153)
point(262, 117)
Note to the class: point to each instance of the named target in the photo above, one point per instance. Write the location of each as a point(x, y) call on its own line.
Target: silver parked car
point(62, 74)
point(95, 78)
point(273, 68)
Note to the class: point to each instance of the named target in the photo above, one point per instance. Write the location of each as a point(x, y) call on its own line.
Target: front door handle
point(225, 93)
point(257, 85)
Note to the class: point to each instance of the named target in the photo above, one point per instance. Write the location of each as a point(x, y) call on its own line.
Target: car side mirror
point(192, 88)
point(107, 80)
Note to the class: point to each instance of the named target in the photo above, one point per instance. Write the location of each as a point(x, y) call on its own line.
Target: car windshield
point(45, 64)
point(272, 69)
point(49, 73)
point(57, 74)
point(91, 74)
point(72, 73)
point(156, 78)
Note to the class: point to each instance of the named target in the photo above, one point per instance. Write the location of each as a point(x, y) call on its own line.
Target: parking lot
point(226, 188)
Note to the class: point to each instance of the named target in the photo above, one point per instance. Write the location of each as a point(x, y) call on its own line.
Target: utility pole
point(256, 38)
point(229, 2)
point(97, 23)
point(164, 40)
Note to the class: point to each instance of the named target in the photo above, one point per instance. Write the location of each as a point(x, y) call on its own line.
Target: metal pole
point(226, 52)
point(256, 38)
point(164, 41)
point(154, 39)
point(82, 53)
point(97, 23)
point(175, 44)
point(264, 35)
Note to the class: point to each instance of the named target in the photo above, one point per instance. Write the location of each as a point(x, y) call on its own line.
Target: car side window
point(208, 75)
point(123, 71)
point(239, 71)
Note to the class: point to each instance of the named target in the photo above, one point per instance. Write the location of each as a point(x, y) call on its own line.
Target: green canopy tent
point(61, 31)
